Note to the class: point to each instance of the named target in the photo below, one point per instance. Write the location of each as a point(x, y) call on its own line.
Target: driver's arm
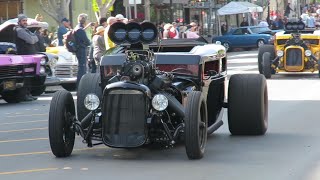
point(27, 36)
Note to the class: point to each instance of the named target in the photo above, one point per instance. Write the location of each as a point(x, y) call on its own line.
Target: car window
point(237, 32)
point(257, 30)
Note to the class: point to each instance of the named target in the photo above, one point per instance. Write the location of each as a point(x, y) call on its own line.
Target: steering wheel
point(183, 70)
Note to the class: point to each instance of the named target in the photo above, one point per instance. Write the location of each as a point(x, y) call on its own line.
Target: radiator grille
point(125, 120)
point(294, 57)
point(66, 71)
point(11, 71)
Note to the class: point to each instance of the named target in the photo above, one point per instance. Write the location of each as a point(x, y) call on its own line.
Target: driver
point(25, 39)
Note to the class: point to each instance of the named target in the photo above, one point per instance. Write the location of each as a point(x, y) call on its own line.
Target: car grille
point(293, 57)
point(124, 124)
point(66, 71)
point(11, 71)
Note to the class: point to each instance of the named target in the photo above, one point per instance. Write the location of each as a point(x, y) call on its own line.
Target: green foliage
point(95, 6)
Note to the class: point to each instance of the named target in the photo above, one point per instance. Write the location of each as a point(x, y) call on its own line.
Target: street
point(290, 150)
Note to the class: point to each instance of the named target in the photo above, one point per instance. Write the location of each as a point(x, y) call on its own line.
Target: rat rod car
point(146, 98)
point(18, 72)
point(295, 50)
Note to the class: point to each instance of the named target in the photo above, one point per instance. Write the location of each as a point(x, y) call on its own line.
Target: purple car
point(20, 72)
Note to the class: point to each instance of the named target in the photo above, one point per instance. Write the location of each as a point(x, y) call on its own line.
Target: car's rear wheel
point(196, 121)
point(262, 50)
point(61, 114)
point(14, 96)
point(266, 68)
point(89, 83)
point(248, 104)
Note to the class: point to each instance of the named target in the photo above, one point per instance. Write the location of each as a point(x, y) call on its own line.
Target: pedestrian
point(108, 43)
point(311, 22)
point(224, 29)
point(62, 30)
point(25, 42)
point(166, 31)
point(193, 33)
point(82, 42)
point(287, 10)
point(99, 48)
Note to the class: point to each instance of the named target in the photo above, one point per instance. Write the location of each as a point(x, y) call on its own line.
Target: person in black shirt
point(244, 22)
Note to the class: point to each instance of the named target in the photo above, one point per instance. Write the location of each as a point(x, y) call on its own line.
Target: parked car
point(245, 37)
point(19, 72)
point(141, 97)
point(66, 69)
point(295, 50)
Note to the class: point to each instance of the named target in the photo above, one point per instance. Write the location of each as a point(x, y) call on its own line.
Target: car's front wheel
point(14, 96)
point(227, 46)
point(260, 43)
point(196, 122)
point(247, 104)
point(61, 114)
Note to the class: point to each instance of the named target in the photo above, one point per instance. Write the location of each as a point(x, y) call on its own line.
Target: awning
point(239, 8)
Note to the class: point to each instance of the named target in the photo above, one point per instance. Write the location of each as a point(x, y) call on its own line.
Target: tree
point(101, 7)
point(57, 9)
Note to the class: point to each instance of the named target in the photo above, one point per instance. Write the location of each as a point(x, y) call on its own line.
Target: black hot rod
point(141, 97)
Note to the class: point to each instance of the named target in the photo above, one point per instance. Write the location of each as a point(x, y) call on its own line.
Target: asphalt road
point(289, 151)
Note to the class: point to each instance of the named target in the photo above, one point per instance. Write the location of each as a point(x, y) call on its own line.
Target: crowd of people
point(176, 30)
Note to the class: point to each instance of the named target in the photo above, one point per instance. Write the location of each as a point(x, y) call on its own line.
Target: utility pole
point(171, 11)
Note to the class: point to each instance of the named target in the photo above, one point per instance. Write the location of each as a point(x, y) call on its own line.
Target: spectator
point(174, 32)
point(244, 22)
point(103, 22)
point(108, 43)
point(82, 43)
point(98, 43)
point(63, 29)
point(224, 29)
point(311, 22)
point(119, 17)
point(193, 33)
point(40, 45)
point(45, 35)
point(277, 24)
point(167, 28)
point(161, 29)
point(26, 44)
point(39, 17)
point(287, 10)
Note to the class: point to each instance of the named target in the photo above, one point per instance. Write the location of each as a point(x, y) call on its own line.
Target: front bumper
point(20, 82)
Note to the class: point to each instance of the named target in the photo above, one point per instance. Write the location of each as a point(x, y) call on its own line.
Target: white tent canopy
point(239, 8)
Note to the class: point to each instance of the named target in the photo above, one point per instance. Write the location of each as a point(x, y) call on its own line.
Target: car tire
point(227, 46)
point(260, 43)
point(38, 91)
point(15, 96)
point(89, 83)
point(262, 50)
point(69, 86)
point(248, 104)
point(196, 119)
point(266, 63)
point(61, 135)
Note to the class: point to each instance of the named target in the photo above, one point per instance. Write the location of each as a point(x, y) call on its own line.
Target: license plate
point(9, 85)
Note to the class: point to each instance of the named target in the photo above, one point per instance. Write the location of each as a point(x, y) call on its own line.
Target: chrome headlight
point(280, 53)
point(160, 102)
point(42, 70)
point(91, 102)
point(43, 61)
point(307, 53)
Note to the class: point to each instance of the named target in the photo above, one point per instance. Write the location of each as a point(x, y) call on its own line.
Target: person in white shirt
point(311, 22)
point(263, 24)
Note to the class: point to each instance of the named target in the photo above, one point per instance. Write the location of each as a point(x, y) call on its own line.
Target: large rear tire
point(248, 104)
point(262, 50)
point(196, 121)
point(89, 83)
point(61, 135)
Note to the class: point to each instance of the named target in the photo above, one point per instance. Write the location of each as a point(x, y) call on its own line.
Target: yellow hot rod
point(295, 50)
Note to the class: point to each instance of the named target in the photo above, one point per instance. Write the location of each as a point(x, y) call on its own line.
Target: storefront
point(10, 9)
